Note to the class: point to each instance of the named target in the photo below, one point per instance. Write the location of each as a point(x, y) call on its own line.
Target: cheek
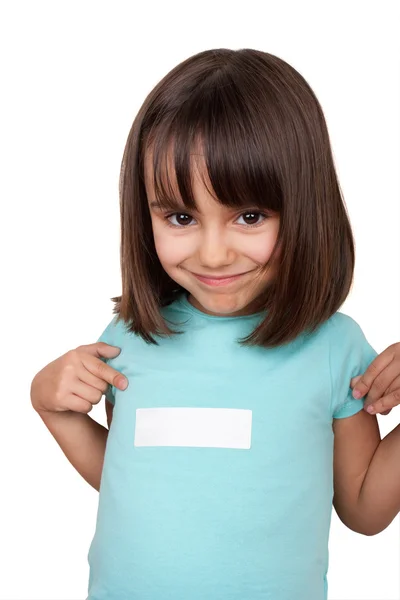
point(170, 251)
point(260, 251)
point(264, 245)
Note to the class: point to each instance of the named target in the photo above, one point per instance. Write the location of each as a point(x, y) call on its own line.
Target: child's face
point(216, 242)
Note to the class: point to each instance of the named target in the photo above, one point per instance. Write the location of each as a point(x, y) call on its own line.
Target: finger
point(374, 369)
point(88, 377)
point(78, 404)
point(383, 381)
point(394, 385)
point(100, 350)
point(103, 371)
point(354, 381)
point(86, 392)
point(373, 411)
point(385, 403)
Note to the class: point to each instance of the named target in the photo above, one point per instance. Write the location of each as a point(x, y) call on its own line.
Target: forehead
point(166, 167)
point(181, 174)
point(169, 193)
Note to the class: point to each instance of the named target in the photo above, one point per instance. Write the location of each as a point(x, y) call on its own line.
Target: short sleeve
point(110, 336)
point(350, 355)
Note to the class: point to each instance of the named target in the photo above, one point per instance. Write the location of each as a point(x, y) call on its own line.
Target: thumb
point(354, 381)
point(101, 350)
point(106, 350)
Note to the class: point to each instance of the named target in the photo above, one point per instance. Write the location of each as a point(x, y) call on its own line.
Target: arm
point(366, 474)
point(82, 439)
point(380, 493)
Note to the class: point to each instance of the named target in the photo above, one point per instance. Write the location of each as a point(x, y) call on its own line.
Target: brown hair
point(265, 144)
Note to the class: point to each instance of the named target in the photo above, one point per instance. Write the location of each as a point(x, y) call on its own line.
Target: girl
point(227, 446)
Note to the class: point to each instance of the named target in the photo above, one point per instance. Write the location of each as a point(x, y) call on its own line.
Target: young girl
point(227, 445)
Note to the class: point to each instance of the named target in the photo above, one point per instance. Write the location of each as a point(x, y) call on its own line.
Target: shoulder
point(338, 335)
point(350, 354)
point(340, 325)
point(348, 340)
point(344, 336)
point(114, 332)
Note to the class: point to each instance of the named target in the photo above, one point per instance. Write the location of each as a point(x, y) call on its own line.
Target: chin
point(224, 305)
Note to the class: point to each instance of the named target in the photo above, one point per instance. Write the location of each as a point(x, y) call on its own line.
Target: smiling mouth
point(218, 280)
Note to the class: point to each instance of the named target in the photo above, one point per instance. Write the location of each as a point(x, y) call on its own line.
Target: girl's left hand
point(381, 381)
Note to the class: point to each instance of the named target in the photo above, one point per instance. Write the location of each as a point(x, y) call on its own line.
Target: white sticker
point(194, 427)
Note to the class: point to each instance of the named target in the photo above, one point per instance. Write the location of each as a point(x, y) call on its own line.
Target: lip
point(217, 281)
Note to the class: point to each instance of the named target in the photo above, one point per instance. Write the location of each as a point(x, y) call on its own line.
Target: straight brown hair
point(266, 144)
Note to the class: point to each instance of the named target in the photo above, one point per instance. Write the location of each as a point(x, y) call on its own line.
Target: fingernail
point(357, 394)
point(123, 383)
point(371, 409)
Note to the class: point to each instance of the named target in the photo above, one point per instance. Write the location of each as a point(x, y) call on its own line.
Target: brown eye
point(181, 219)
point(252, 218)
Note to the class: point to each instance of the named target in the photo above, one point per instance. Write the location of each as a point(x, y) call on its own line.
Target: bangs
point(224, 137)
point(246, 125)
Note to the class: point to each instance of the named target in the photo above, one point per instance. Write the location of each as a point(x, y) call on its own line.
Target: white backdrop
point(74, 75)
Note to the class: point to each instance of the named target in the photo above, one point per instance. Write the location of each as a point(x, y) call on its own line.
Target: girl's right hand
point(76, 380)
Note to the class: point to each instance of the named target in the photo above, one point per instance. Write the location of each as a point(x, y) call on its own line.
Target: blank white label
point(194, 427)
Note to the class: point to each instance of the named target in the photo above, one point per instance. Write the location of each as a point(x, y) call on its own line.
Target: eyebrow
point(157, 206)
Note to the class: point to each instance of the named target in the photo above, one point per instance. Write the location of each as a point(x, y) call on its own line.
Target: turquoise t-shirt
point(217, 481)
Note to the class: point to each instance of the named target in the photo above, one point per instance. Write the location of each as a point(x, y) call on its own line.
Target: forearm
point(379, 499)
point(82, 439)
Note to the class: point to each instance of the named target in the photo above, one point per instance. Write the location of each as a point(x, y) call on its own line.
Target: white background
point(73, 77)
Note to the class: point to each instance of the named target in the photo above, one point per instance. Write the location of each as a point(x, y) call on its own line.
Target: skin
point(218, 242)
point(380, 384)
point(215, 241)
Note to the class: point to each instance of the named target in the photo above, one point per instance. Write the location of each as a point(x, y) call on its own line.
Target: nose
point(215, 251)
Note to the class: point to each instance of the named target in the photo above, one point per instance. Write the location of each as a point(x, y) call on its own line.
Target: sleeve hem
point(348, 409)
